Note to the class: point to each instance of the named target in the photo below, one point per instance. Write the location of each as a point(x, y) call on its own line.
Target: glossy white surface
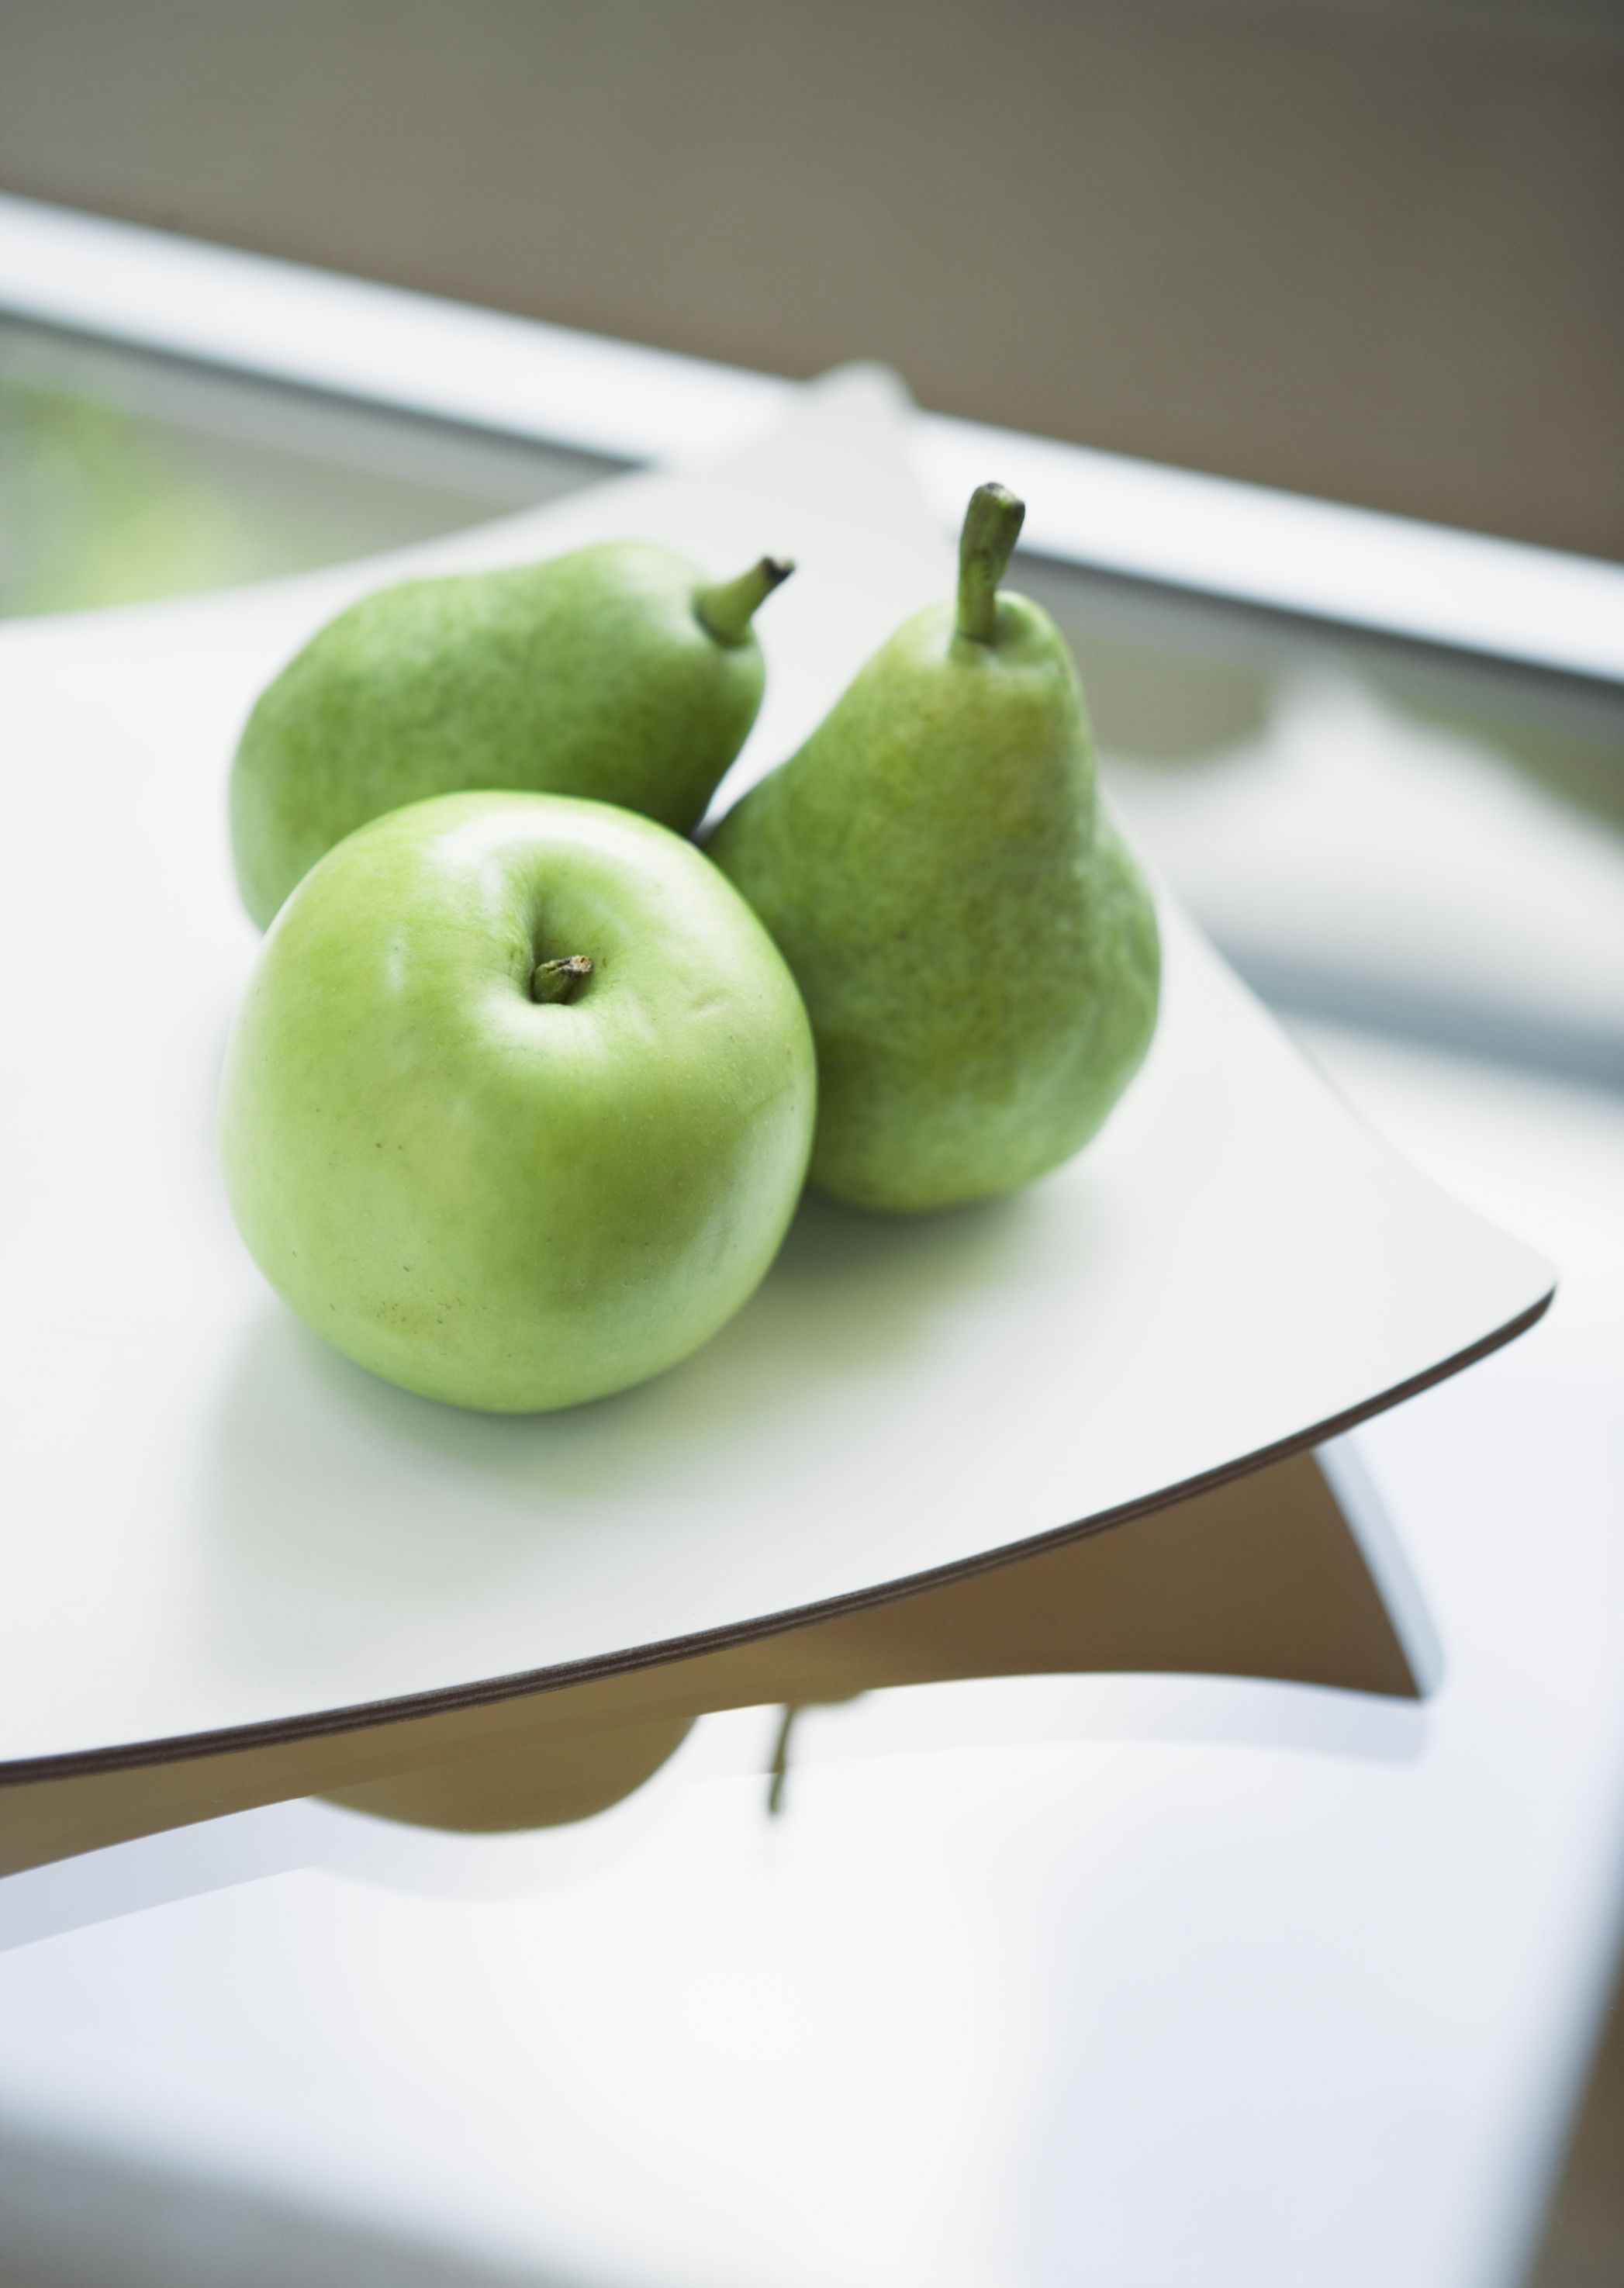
point(1352, 845)
point(460, 363)
point(210, 1521)
point(1135, 1980)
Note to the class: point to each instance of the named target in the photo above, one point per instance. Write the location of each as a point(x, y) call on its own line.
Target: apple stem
point(992, 526)
point(726, 608)
point(556, 981)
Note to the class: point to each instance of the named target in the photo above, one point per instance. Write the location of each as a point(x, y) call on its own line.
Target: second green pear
point(615, 673)
point(975, 948)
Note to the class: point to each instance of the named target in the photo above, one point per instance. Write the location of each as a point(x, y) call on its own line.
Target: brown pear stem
point(992, 526)
point(779, 1769)
point(726, 608)
point(558, 980)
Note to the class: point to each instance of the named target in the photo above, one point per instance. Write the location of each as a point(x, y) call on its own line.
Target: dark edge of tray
point(366, 1715)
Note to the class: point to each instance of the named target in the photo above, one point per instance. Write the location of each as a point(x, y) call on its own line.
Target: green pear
point(615, 673)
point(977, 949)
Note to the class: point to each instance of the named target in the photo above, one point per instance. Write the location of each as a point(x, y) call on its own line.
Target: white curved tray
point(216, 1530)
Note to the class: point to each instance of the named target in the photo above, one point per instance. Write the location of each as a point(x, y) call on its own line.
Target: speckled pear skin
point(588, 675)
point(975, 947)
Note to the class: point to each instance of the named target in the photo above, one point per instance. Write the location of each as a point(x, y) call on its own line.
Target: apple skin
point(509, 1204)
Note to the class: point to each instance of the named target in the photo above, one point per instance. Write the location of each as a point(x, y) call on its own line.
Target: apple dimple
point(561, 980)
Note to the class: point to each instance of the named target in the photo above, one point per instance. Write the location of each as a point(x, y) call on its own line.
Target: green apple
point(519, 1102)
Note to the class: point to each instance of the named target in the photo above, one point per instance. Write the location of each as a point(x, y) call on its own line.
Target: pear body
point(975, 948)
point(589, 675)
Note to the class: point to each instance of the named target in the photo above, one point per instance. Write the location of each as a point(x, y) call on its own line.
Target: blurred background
point(1368, 249)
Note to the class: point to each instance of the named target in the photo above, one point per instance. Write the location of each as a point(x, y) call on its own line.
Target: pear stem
point(992, 526)
point(779, 1769)
point(726, 608)
point(556, 981)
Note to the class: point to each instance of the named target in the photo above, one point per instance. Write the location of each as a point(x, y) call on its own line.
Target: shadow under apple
point(336, 1509)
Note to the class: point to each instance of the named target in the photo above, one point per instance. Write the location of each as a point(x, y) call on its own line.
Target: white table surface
point(1135, 1980)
